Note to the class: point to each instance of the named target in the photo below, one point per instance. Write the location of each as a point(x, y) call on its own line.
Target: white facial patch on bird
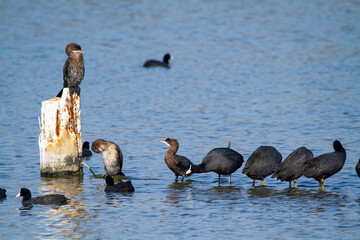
point(188, 171)
point(18, 195)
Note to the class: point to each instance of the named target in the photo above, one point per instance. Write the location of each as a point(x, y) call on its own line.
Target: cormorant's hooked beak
point(165, 143)
point(78, 51)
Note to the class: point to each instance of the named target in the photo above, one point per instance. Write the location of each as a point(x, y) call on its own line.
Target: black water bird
point(357, 168)
point(74, 69)
point(156, 63)
point(2, 193)
point(326, 165)
point(223, 161)
point(45, 200)
point(178, 164)
point(262, 162)
point(86, 150)
point(292, 167)
point(120, 187)
point(111, 154)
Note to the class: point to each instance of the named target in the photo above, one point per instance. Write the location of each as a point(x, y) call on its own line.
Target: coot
point(326, 165)
point(119, 187)
point(2, 193)
point(292, 167)
point(262, 162)
point(357, 168)
point(46, 199)
point(156, 63)
point(223, 161)
point(86, 150)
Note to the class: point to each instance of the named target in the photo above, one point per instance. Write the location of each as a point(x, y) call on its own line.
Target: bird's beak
point(18, 195)
point(78, 51)
point(165, 143)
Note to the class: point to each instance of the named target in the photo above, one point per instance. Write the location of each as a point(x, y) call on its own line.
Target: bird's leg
point(219, 179)
point(229, 179)
point(289, 184)
point(182, 179)
point(253, 182)
point(295, 183)
point(176, 178)
point(262, 182)
point(322, 184)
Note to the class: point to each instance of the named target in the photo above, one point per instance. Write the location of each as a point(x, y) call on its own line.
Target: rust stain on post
point(57, 127)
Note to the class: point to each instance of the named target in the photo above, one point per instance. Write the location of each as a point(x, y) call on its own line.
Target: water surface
point(253, 73)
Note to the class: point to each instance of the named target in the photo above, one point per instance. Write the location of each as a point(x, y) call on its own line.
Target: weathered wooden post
point(60, 136)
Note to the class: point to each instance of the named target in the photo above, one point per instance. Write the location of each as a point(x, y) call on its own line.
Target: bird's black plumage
point(357, 168)
point(45, 200)
point(120, 187)
point(326, 165)
point(2, 193)
point(262, 162)
point(178, 164)
point(74, 69)
point(223, 161)
point(156, 63)
point(86, 150)
point(292, 167)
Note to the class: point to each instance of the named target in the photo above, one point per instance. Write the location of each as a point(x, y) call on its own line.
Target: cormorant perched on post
point(74, 69)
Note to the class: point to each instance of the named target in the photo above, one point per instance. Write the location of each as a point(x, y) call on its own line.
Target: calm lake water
point(279, 73)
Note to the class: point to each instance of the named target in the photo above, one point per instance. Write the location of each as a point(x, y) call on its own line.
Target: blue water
point(280, 73)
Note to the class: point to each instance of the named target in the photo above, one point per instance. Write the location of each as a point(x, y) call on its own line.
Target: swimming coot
point(178, 164)
point(111, 154)
point(292, 167)
point(2, 193)
point(223, 161)
point(46, 199)
point(86, 150)
point(326, 165)
point(119, 187)
point(156, 63)
point(262, 162)
point(357, 168)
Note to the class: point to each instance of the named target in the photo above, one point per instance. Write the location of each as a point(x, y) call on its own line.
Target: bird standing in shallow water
point(326, 164)
point(156, 63)
point(262, 162)
point(223, 161)
point(111, 154)
point(357, 168)
point(2, 193)
point(292, 167)
point(178, 164)
point(74, 69)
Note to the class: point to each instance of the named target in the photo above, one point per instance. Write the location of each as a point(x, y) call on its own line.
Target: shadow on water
point(187, 191)
point(261, 192)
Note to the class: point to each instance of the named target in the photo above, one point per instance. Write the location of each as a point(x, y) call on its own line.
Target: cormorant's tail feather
point(60, 93)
